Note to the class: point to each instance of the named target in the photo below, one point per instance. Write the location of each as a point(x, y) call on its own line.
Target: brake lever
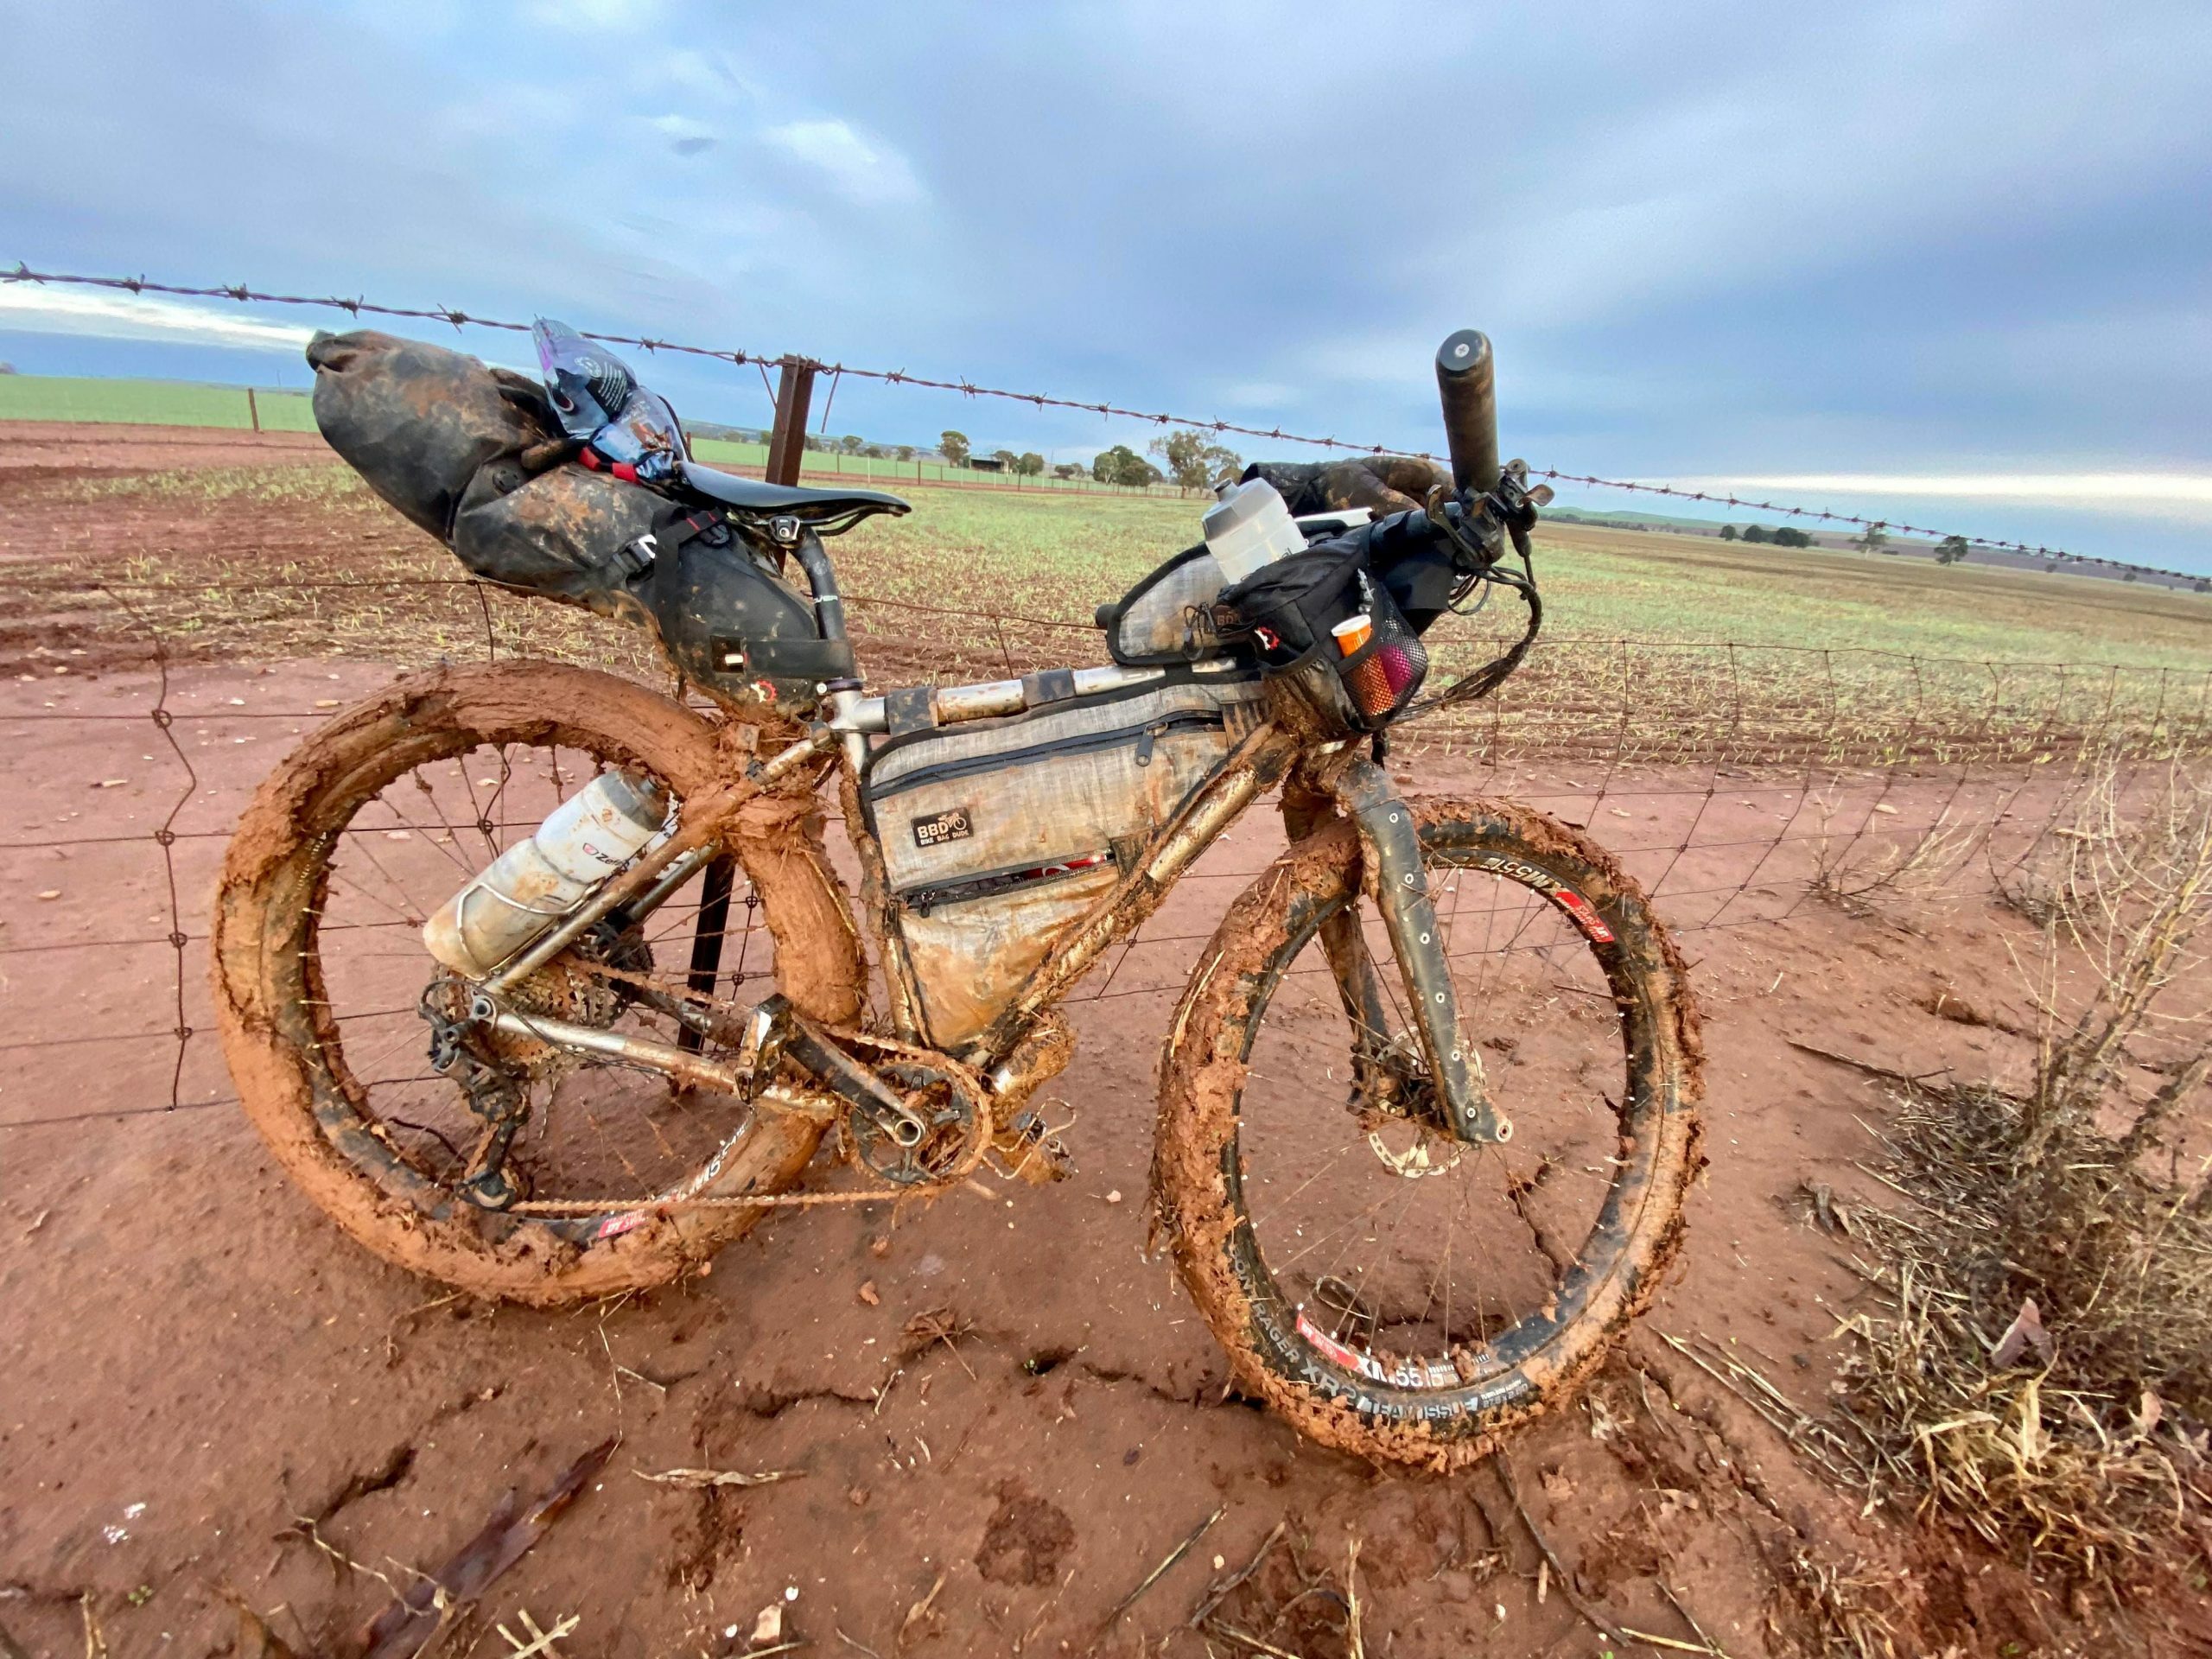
point(1478, 525)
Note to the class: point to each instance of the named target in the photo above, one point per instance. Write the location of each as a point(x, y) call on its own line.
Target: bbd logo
point(954, 824)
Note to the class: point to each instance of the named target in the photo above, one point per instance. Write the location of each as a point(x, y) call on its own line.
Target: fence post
point(787, 438)
point(252, 409)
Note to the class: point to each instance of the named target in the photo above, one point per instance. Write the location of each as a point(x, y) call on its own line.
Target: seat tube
point(1390, 844)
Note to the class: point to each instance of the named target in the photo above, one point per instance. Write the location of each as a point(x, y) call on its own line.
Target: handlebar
point(1466, 383)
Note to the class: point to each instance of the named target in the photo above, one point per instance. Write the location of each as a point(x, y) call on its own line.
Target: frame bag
point(998, 835)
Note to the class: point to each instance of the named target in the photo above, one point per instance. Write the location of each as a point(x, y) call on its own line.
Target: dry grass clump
point(1849, 870)
point(2042, 1371)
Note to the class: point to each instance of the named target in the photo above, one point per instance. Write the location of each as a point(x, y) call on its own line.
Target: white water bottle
point(1249, 527)
point(536, 882)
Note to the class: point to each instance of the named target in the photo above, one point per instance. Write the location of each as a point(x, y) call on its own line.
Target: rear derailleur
point(497, 1095)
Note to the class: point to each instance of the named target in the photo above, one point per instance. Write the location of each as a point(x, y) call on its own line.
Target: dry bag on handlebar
point(451, 444)
point(1289, 613)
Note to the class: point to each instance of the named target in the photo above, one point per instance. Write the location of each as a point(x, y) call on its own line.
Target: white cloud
point(864, 171)
point(32, 309)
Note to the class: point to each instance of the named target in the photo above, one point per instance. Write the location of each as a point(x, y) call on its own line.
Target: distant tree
point(1873, 539)
point(1951, 549)
point(953, 446)
point(1192, 461)
point(904, 452)
point(850, 444)
point(1789, 536)
point(1071, 469)
point(1029, 463)
point(2131, 575)
point(1757, 533)
point(817, 442)
point(2203, 587)
point(7, 368)
point(1122, 465)
point(1727, 532)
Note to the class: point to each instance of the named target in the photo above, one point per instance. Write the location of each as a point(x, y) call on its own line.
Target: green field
point(1656, 646)
point(184, 403)
point(151, 403)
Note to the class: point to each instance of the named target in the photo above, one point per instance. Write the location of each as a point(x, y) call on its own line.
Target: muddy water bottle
point(536, 882)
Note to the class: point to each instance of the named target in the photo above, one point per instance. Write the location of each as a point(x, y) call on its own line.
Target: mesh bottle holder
point(1287, 611)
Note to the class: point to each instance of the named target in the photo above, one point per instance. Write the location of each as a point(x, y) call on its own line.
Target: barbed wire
point(361, 306)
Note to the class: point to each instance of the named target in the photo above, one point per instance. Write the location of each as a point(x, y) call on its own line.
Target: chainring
point(936, 1096)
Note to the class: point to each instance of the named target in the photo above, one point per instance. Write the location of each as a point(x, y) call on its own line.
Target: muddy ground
point(209, 1391)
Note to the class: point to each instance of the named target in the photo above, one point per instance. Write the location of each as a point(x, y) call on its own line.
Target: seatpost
point(841, 694)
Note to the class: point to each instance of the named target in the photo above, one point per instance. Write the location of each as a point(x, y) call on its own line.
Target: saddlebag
point(474, 456)
point(998, 835)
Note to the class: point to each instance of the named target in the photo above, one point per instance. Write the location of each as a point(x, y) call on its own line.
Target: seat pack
point(477, 456)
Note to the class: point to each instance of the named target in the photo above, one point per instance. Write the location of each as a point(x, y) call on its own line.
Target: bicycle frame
point(1271, 755)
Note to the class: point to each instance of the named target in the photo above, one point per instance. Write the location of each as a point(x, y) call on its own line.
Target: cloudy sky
point(1950, 262)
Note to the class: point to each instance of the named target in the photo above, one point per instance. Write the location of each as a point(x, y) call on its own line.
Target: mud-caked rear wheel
point(1393, 1292)
point(321, 981)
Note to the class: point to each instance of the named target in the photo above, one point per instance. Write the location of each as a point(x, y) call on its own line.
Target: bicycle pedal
point(1028, 1150)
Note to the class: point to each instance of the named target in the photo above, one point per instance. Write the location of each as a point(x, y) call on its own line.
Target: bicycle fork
point(1389, 845)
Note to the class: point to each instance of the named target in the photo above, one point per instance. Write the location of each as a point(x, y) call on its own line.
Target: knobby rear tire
point(1204, 1071)
point(265, 988)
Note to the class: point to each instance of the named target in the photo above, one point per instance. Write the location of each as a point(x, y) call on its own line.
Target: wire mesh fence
point(1739, 784)
point(161, 662)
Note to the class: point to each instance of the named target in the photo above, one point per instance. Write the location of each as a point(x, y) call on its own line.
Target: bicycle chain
point(979, 1132)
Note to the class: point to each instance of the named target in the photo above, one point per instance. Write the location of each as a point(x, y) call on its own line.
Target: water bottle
point(514, 901)
point(1248, 527)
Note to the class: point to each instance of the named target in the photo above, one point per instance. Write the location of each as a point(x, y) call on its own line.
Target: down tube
point(1259, 763)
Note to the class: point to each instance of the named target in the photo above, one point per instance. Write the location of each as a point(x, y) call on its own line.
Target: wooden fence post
point(787, 438)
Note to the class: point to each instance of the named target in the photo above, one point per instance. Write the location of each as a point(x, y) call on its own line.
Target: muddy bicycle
point(548, 986)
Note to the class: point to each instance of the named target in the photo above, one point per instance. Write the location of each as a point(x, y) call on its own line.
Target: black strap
point(662, 548)
point(1050, 685)
point(912, 709)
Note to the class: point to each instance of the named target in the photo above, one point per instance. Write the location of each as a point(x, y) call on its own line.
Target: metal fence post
point(787, 438)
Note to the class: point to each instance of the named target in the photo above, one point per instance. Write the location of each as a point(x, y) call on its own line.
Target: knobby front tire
point(1391, 1291)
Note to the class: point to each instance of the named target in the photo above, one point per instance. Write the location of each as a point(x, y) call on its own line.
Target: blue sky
point(1951, 263)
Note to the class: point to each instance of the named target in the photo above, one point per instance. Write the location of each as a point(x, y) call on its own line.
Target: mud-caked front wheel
point(1393, 1291)
point(329, 1003)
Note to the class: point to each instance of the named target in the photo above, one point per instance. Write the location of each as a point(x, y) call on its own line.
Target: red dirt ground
point(194, 1359)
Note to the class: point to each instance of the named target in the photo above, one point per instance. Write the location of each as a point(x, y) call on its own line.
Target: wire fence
point(154, 679)
point(1739, 784)
point(358, 307)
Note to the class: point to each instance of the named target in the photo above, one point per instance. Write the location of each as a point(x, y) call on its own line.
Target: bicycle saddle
point(815, 507)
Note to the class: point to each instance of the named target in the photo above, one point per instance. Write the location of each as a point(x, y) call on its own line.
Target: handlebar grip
point(1466, 382)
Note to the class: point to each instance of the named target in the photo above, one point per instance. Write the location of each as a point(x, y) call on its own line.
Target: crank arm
point(1389, 846)
point(816, 1053)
